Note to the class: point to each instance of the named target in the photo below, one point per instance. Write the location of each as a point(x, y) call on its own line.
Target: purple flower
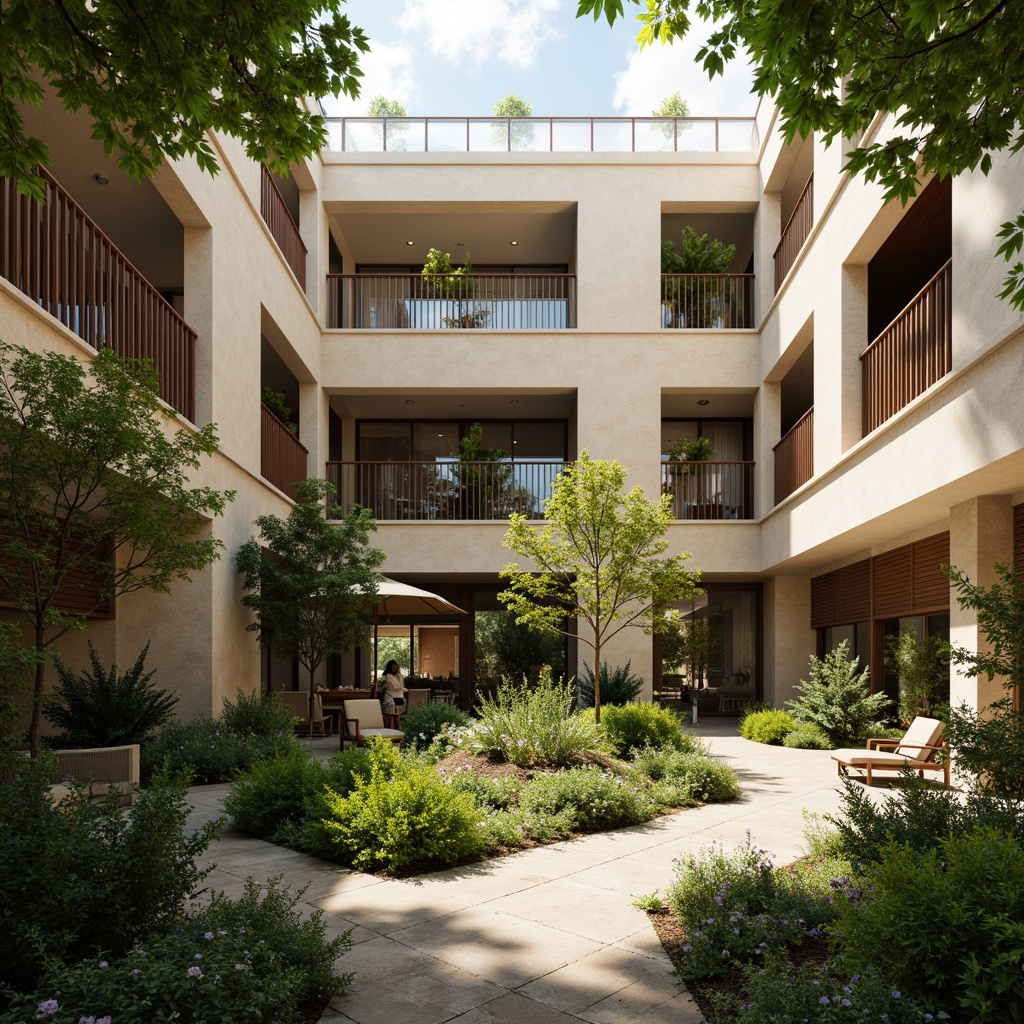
point(86, 1020)
point(208, 935)
point(198, 956)
point(47, 1008)
point(104, 1020)
point(846, 1002)
point(103, 965)
point(747, 1006)
point(195, 972)
point(896, 993)
point(824, 1000)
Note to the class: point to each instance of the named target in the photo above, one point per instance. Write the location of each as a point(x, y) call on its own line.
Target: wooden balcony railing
point(504, 302)
point(911, 354)
point(283, 227)
point(57, 256)
point(794, 457)
point(798, 227)
point(710, 490)
point(707, 301)
point(282, 457)
point(541, 134)
point(445, 490)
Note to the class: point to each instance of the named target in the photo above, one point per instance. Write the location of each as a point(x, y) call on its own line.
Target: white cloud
point(481, 32)
point(659, 71)
point(388, 70)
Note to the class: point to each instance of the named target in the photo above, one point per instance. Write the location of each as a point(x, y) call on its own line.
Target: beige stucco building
point(856, 375)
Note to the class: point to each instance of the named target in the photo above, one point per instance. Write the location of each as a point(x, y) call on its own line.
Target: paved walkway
point(546, 936)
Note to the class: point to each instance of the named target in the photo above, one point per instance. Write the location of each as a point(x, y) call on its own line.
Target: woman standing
point(394, 684)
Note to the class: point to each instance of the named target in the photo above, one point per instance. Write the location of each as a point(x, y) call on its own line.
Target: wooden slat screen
point(854, 603)
point(931, 584)
point(1018, 535)
point(893, 582)
point(825, 600)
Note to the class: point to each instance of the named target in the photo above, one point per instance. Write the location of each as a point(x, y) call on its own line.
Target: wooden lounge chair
point(416, 698)
point(364, 720)
point(921, 749)
point(298, 704)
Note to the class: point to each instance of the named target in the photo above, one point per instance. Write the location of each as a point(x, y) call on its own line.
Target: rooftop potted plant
point(695, 301)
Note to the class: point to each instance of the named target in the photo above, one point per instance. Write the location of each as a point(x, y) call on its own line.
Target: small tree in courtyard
point(597, 559)
point(311, 589)
point(94, 495)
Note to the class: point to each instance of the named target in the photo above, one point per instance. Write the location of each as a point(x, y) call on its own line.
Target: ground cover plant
point(531, 769)
point(103, 916)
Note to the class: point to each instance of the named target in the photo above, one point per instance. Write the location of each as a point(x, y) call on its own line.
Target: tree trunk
point(37, 692)
point(597, 680)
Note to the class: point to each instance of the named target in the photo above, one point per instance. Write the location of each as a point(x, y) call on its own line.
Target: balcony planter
point(690, 483)
point(695, 301)
point(454, 285)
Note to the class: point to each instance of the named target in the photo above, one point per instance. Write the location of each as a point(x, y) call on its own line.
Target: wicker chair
point(101, 769)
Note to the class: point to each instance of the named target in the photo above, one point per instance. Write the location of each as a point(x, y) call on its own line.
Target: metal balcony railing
point(278, 218)
point(798, 227)
point(911, 354)
point(794, 457)
point(709, 490)
point(445, 490)
point(541, 134)
point(54, 253)
point(503, 302)
point(282, 456)
point(707, 301)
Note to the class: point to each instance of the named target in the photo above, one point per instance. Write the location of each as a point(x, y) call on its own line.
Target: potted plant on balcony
point(278, 407)
point(692, 480)
point(454, 285)
point(695, 302)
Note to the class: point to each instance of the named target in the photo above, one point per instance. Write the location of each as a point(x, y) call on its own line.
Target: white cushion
point(923, 732)
point(385, 734)
point(859, 756)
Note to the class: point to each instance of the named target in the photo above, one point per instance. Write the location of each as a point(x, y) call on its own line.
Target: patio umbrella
point(394, 598)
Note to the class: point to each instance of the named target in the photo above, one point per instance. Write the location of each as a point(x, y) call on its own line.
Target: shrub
point(256, 714)
point(917, 815)
point(633, 726)
point(535, 726)
point(80, 876)
point(595, 799)
point(618, 686)
point(945, 925)
point(775, 991)
point(737, 907)
point(251, 959)
point(422, 724)
point(496, 794)
point(837, 699)
point(103, 709)
point(403, 815)
point(700, 776)
point(807, 737)
point(753, 706)
point(767, 726)
point(204, 748)
point(273, 792)
point(917, 660)
point(990, 748)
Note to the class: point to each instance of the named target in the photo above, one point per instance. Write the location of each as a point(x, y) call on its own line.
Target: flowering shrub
point(533, 726)
point(422, 724)
point(735, 907)
point(633, 726)
point(595, 799)
point(256, 958)
point(700, 776)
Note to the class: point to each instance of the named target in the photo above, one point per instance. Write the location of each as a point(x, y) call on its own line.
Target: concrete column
point(313, 232)
point(767, 233)
point(313, 427)
point(980, 534)
point(767, 433)
point(198, 243)
point(788, 638)
point(854, 315)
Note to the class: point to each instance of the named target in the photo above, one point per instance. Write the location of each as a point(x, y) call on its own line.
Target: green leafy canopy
point(157, 75)
point(950, 72)
point(597, 558)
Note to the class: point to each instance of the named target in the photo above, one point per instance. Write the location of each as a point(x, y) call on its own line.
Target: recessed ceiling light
point(704, 401)
point(409, 401)
point(462, 405)
point(410, 243)
point(100, 179)
point(514, 243)
point(514, 401)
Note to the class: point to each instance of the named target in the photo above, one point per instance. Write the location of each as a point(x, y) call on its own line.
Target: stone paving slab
point(545, 936)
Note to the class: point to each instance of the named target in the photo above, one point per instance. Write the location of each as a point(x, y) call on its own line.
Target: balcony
point(503, 302)
point(541, 134)
point(911, 354)
point(282, 457)
point(707, 301)
point(798, 227)
point(446, 490)
point(709, 490)
point(57, 256)
point(794, 457)
point(278, 218)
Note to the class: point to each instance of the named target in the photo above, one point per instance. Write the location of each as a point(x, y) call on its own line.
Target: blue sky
point(459, 57)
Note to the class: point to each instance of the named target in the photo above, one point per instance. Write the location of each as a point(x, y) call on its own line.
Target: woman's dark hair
point(388, 667)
